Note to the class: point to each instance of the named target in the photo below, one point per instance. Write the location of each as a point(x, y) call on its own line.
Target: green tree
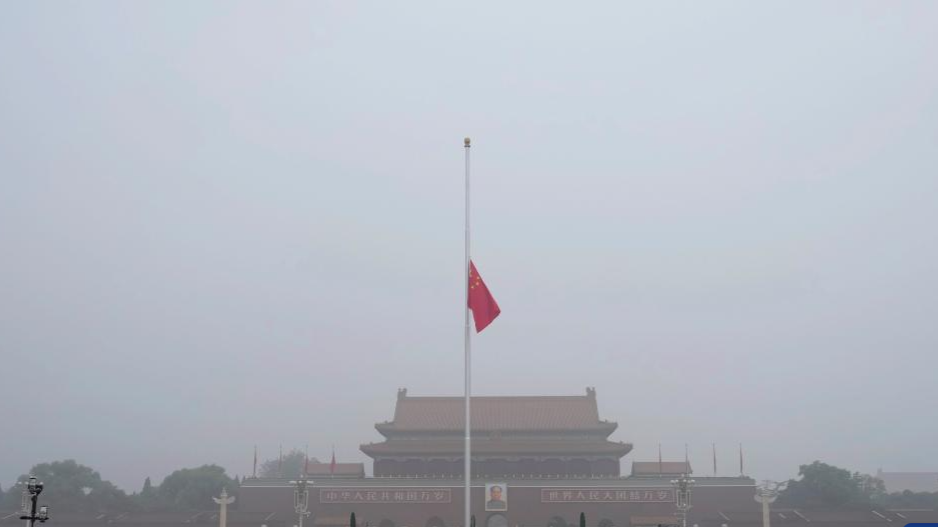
point(870, 486)
point(909, 500)
point(582, 519)
point(294, 462)
point(822, 485)
point(149, 500)
point(193, 488)
point(9, 500)
point(71, 487)
point(147, 488)
point(351, 520)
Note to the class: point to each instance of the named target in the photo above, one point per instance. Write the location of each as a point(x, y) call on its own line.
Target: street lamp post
point(766, 494)
point(301, 499)
point(30, 498)
point(682, 488)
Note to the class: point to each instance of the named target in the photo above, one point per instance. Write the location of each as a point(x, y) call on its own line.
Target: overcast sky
point(226, 224)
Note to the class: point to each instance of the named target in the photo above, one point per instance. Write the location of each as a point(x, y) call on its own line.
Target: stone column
point(766, 494)
point(223, 501)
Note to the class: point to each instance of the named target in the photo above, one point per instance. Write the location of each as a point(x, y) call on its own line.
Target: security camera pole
point(31, 492)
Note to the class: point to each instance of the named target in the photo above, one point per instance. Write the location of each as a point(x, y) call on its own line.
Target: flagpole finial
point(466, 141)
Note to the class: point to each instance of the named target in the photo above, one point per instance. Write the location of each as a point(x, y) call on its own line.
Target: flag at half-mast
point(481, 302)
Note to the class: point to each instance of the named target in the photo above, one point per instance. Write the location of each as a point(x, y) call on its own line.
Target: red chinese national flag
point(481, 302)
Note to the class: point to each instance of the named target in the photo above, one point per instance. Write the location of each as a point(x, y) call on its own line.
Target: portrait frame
point(499, 501)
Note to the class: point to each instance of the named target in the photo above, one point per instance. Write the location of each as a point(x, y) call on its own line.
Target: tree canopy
point(147, 488)
point(293, 464)
point(71, 487)
point(193, 488)
point(825, 486)
point(911, 500)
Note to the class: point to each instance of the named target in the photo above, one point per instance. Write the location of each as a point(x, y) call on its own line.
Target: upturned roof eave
point(391, 428)
point(606, 449)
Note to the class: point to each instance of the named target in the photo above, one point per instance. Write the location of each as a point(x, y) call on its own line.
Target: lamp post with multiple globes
point(31, 493)
point(682, 488)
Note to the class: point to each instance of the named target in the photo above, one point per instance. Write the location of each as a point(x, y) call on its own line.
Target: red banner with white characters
point(371, 495)
point(599, 495)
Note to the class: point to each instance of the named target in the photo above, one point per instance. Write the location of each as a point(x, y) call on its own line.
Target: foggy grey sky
point(228, 223)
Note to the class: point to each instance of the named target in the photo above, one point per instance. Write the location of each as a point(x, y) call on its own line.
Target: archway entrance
point(496, 520)
point(557, 521)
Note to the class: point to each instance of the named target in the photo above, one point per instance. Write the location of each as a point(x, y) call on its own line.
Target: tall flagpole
point(714, 459)
point(741, 459)
point(468, 352)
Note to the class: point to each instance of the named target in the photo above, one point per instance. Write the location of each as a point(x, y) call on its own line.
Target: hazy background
point(228, 223)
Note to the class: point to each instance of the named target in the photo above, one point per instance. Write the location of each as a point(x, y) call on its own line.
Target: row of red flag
point(331, 464)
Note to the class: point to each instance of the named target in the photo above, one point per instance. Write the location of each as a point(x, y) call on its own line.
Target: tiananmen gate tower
point(536, 461)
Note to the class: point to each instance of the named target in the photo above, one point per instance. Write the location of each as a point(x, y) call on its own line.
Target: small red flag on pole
point(332, 465)
point(481, 302)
